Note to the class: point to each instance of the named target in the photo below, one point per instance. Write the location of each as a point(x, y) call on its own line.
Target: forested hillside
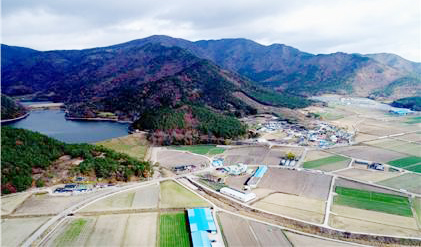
point(10, 109)
point(413, 103)
point(24, 153)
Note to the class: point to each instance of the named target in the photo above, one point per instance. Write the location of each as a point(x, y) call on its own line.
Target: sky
point(315, 26)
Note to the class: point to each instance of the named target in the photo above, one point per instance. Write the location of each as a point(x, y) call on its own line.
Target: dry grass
point(134, 145)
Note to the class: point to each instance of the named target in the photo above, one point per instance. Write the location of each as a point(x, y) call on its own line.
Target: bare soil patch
point(10, 202)
point(293, 206)
point(302, 240)
point(246, 155)
point(301, 183)
point(369, 153)
point(171, 158)
point(315, 155)
point(368, 175)
point(108, 231)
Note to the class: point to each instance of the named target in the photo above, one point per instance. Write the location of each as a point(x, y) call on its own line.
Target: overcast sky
point(315, 26)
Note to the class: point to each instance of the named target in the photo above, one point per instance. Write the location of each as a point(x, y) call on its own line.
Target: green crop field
point(173, 230)
point(72, 232)
point(405, 162)
point(324, 161)
point(201, 149)
point(374, 201)
point(414, 168)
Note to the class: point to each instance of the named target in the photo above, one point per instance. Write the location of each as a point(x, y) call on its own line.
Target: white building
point(244, 197)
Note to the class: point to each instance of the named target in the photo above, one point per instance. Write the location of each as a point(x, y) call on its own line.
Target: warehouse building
point(201, 224)
point(244, 197)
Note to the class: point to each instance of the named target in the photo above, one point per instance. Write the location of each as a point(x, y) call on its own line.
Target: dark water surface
point(53, 124)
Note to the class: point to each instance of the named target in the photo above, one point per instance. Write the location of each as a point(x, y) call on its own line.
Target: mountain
point(29, 158)
point(10, 109)
point(287, 69)
point(413, 103)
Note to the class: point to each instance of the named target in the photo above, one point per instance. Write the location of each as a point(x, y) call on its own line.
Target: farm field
point(414, 137)
point(408, 181)
point(360, 137)
point(10, 202)
point(134, 145)
point(330, 163)
point(369, 153)
point(293, 206)
point(247, 155)
point(173, 230)
point(374, 201)
point(367, 174)
point(302, 240)
point(301, 183)
point(397, 145)
point(241, 232)
point(375, 217)
point(315, 155)
point(237, 182)
point(274, 156)
point(356, 225)
point(174, 195)
point(417, 207)
point(15, 231)
point(405, 162)
point(344, 182)
point(171, 158)
point(46, 204)
point(145, 197)
point(201, 149)
point(106, 230)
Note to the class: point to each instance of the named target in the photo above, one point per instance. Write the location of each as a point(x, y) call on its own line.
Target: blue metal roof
point(260, 171)
point(200, 239)
point(200, 219)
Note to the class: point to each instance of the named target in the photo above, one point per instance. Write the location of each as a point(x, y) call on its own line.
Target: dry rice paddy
point(15, 231)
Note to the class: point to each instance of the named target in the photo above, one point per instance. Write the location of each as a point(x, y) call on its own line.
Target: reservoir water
point(52, 123)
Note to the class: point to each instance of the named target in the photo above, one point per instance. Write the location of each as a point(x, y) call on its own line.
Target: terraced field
point(173, 230)
point(375, 201)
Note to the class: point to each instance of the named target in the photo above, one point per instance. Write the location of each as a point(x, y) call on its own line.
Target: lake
point(54, 124)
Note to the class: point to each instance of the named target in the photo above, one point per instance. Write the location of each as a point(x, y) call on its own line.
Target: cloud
point(318, 26)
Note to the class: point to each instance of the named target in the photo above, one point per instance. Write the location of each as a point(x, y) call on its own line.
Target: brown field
point(375, 217)
point(360, 137)
point(46, 204)
point(301, 183)
point(171, 158)
point(415, 137)
point(173, 195)
point(369, 153)
point(355, 225)
point(378, 129)
point(135, 145)
point(241, 232)
point(315, 155)
point(262, 192)
point(293, 206)
point(141, 230)
point(302, 240)
point(275, 154)
point(334, 166)
point(357, 185)
point(237, 182)
point(246, 155)
point(15, 231)
point(408, 181)
point(10, 202)
point(145, 197)
point(368, 175)
point(398, 146)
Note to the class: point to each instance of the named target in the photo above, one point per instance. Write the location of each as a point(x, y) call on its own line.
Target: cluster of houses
point(184, 168)
point(323, 135)
point(73, 188)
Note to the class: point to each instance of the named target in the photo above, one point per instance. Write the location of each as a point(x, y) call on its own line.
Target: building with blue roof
point(260, 171)
point(400, 111)
point(200, 239)
point(201, 223)
point(255, 179)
